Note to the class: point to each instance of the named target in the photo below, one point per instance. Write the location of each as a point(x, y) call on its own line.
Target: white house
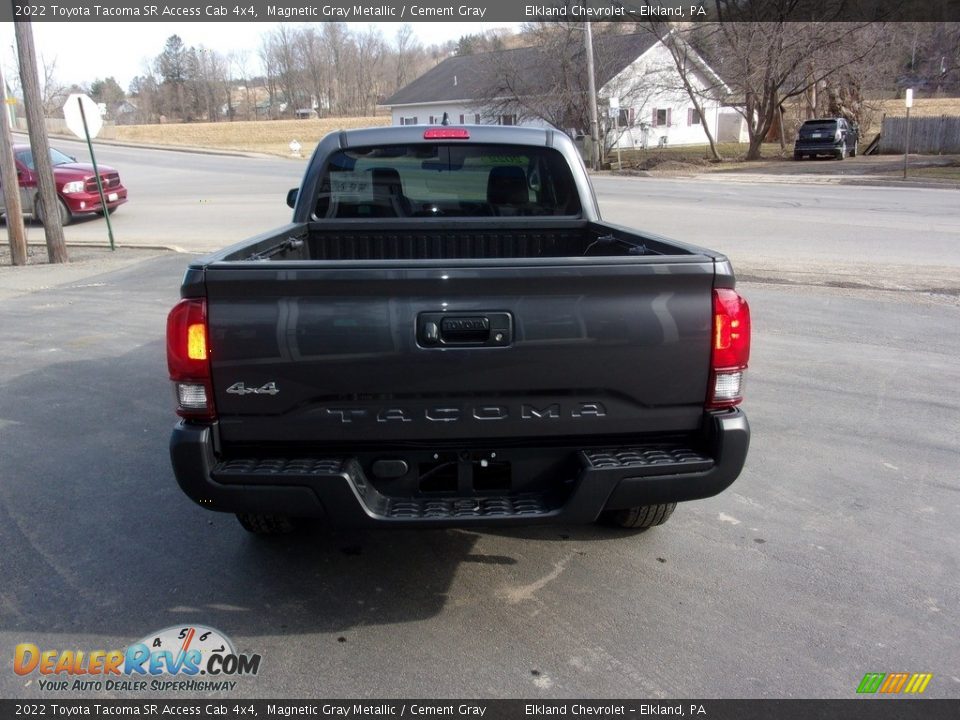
point(641, 94)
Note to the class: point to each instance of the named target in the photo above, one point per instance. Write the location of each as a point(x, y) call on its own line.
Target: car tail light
point(188, 359)
point(731, 349)
point(446, 133)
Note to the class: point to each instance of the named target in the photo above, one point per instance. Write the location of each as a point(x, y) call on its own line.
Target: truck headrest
point(507, 185)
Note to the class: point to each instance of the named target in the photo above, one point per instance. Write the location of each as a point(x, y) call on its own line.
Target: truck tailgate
point(318, 354)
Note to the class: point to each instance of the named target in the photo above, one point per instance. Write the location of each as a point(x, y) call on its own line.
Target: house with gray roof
point(641, 94)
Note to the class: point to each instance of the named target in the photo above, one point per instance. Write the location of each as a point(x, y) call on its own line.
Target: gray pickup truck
point(448, 334)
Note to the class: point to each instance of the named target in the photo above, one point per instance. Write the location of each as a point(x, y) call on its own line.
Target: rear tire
point(267, 525)
point(853, 152)
point(639, 518)
point(842, 153)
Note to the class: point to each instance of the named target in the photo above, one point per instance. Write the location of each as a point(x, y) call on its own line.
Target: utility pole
point(592, 89)
point(52, 227)
point(11, 188)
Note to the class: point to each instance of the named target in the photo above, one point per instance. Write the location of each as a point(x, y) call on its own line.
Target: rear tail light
point(188, 359)
point(731, 349)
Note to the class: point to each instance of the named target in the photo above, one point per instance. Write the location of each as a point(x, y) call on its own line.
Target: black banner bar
point(854, 709)
point(480, 10)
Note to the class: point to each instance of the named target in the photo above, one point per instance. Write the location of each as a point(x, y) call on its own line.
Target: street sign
point(71, 113)
point(909, 98)
point(84, 120)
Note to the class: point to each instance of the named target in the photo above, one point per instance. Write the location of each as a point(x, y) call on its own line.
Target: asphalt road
point(189, 200)
point(835, 553)
point(769, 230)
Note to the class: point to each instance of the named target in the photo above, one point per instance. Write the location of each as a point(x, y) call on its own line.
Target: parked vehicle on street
point(447, 333)
point(76, 186)
point(829, 136)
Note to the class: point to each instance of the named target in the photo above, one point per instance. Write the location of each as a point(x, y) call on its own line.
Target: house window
point(507, 120)
point(432, 121)
point(476, 119)
point(461, 118)
point(661, 116)
point(625, 117)
point(693, 116)
point(408, 121)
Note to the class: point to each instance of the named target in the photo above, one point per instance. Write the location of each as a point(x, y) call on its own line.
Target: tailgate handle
point(465, 329)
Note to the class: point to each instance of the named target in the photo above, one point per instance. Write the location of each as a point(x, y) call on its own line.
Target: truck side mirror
point(292, 196)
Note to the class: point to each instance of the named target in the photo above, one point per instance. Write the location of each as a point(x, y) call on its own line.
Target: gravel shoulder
point(916, 283)
point(86, 263)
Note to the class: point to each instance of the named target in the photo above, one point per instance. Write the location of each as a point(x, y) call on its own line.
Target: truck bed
point(430, 240)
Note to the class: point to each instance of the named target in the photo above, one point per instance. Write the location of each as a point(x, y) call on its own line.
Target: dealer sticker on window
point(351, 185)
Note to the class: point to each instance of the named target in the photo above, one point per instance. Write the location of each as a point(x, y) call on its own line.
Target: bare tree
point(548, 80)
point(557, 94)
point(336, 71)
point(930, 59)
point(337, 40)
point(270, 79)
point(406, 50)
point(767, 63)
point(694, 76)
point(284, 65)
point(210, 83)
point(146, 93)
point(369, 57)
point(53, 93)
point(239, 64)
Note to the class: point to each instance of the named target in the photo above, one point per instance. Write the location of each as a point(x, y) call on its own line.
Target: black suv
point(829, 136)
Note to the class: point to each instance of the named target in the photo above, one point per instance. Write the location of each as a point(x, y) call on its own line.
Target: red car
point(76, 185)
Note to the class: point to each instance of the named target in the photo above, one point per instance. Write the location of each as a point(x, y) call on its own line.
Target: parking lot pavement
point(834, 554)
point(85, 262)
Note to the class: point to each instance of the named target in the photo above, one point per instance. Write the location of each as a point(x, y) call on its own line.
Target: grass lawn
point(940, 172)
point(263, 136)
point(694, 155)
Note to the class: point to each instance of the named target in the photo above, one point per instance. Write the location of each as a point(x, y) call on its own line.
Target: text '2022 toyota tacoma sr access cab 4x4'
point(448, 334)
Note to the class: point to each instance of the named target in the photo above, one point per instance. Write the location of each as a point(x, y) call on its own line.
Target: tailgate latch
point(491, 329)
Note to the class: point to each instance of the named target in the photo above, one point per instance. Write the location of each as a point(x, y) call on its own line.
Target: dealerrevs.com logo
point(178, 658)
point(894, 683)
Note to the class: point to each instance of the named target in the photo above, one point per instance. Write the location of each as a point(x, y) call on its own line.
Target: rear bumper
point(336, 488)
point(817, 148)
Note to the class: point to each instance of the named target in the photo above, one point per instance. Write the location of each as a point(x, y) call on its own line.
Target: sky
point(85, 51)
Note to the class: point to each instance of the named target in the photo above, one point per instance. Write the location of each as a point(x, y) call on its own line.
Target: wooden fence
point(932, 135)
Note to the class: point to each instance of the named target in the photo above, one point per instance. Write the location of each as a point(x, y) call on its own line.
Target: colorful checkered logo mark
point(894, 683)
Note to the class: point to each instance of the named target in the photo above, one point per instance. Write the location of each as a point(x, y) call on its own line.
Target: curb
point(106, 246)
point(758, 179)
point(167, 148)
point(892, 182)
point(872, 180)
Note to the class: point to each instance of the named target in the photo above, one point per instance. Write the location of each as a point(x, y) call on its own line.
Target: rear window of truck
point(446, 180)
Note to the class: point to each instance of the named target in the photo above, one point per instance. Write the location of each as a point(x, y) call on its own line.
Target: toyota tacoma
point(447, 334)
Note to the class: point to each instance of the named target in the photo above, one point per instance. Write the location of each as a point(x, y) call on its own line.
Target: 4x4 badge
point(239, 388)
